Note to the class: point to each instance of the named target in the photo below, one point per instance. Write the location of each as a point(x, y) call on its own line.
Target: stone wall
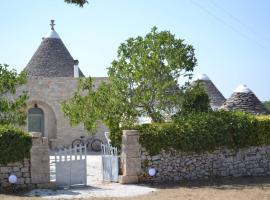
point(19, 169)
point(175, 166)
point(31, 172)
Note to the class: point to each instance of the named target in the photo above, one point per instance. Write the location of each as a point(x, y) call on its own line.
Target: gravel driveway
point(106, 190)
point(247, 188)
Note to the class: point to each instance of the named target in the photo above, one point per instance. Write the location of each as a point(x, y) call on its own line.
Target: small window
point(36, 120)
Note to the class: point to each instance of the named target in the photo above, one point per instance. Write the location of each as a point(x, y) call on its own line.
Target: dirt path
point(222, 189)
point(185, 194)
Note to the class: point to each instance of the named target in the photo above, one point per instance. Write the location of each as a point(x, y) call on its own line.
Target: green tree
point(143, 81)
point(267, 104)
point(90, 106)
point(146, 72)
point(11, 109)
point(81, 3)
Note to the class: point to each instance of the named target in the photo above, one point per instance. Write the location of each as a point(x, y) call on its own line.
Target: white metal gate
point(70, 166)
point(110, 167)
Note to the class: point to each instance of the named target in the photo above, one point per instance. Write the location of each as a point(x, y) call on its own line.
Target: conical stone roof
point(52, 59)
point(215, 96)
point(244, 99)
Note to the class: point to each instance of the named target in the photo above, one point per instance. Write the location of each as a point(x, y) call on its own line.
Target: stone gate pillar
point(40, 160)
point(130, 157)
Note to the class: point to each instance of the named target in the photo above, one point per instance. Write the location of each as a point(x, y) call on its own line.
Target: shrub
point(200, 132)
point(263, 129)
point(14, 144)
point(195, 99)
point(267, 104)
point(116, 136)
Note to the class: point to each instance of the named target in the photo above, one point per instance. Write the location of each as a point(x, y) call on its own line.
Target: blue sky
point(231, 37)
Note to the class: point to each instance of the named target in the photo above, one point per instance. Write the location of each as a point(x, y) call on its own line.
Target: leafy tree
point(146, 72)
point(83, 108)
point(143, 81)
point(11, 110)
point(267, 104)
point(90, 105)
point(81, 3)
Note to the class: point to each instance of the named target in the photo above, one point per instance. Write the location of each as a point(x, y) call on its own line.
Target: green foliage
point(142, 81)
point(83, 106)
point(91, 106)
point(116, 136)
point(146, 72)
point(80, 3)
point(267, 104)
point(11, 111)
point(15, 145)
point(206, 131)
point(263, 129)
point(195, 100)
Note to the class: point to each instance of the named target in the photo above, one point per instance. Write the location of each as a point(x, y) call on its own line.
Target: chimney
point(76, 69)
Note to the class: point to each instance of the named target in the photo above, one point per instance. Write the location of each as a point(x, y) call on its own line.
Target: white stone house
point(52, 78)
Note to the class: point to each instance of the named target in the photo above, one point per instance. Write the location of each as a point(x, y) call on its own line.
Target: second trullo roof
point(245, 100)
point(215, 96)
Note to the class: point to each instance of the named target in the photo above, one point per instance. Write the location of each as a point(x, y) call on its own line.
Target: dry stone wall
point(20, 169)
point(176, 166)
point(33, 172)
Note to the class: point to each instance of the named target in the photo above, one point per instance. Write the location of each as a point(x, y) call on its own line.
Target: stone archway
point(50, 122)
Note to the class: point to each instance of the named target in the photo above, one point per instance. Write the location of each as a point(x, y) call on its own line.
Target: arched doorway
point(46, 120)
point(35, 119)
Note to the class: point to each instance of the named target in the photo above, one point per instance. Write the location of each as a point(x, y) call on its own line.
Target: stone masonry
point(48, 94)
point(130, 157)
point(176, 166)
point(20, 169)
point(40, 160)
point(31, 172)
point(247, 102)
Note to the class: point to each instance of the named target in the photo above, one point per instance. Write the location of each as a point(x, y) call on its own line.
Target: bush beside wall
point(15, 145)
point(202, 132)
point(263, 129)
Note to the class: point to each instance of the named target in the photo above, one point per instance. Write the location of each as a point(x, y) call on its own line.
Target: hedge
point(201, 132)
point(15, 145)
point(263, 129)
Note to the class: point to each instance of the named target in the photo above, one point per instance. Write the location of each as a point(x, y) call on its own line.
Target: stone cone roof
point(215, 96)
point(244, 99)
point(52, 59)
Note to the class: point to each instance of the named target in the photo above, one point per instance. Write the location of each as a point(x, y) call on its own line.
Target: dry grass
point(220, 189)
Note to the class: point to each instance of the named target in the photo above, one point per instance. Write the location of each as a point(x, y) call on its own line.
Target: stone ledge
point(128, 179)
point(35, 134)
point(130, 132)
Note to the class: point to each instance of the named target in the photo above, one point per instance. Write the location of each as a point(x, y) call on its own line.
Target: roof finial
point(52, 24)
